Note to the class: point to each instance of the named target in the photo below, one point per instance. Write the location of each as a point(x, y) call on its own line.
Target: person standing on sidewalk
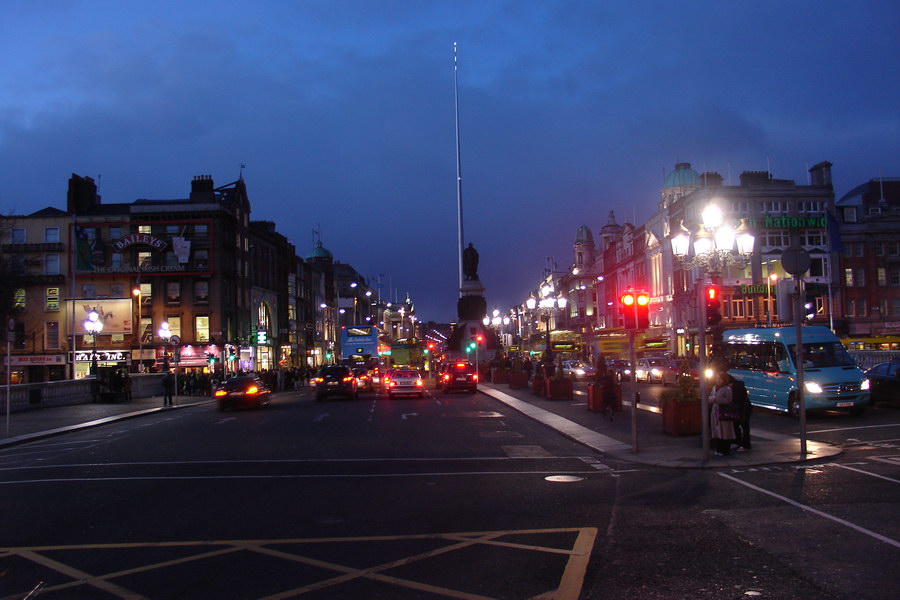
point(168, 383)
point(741, 399)
point(721, 431)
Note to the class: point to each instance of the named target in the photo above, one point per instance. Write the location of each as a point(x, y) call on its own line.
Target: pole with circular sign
point(796, 262)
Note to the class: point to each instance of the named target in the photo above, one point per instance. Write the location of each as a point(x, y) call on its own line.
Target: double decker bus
point(359, 343)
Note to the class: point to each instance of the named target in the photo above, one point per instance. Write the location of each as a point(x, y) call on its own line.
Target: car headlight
point(654, 372)
point(865, 384)
point(812, 387)
point(579, 371)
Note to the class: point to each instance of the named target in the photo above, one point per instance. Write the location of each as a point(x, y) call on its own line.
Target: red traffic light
point(643, 310)
point(479, 338)
point(713, 305)
point(627, 299)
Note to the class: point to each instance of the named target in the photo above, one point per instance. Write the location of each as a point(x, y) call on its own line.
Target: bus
point(359, 342)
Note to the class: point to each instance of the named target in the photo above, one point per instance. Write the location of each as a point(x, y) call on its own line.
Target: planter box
point(682, 417)
point(595, 397)
point(518, 380)
point(560, 389)
point(538, 385)
point(499, 376)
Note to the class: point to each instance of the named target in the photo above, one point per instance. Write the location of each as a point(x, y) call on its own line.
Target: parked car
point(335, 380)
point(578, 369)
point(649, 369)
point(674, 369)
point(619, 369)
point(459, 375)
point(406, 382)
point(884, 381)
point(242, 391)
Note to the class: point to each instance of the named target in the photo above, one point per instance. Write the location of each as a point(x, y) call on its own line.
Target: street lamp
point(165, 334)
point(547, 306)
point(771, 280)
point(716, 246)
point(137, 292)
point(94, 326)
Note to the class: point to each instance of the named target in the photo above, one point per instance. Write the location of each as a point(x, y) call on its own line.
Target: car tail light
point(392, 383)
point(446, 377)
point(474, 376)
point(348, 379)
point(317, 379)
point(221, 393)
point(420, 383)
point(252, 390)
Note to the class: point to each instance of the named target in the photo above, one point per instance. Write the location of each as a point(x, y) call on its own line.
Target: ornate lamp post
point(717, 245)
point(137, 292)
point(165, 334)
point(94, 326)
point(547, 305)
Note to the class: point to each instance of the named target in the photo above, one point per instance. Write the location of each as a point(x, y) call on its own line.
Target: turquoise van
point(763, 358)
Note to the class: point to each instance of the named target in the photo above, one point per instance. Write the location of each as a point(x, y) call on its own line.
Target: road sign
point(175, 340)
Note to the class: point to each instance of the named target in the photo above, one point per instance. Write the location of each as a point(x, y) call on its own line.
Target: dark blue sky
point(342, 112)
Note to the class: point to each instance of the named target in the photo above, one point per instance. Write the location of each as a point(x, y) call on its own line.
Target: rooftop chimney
point(820, 174)
point(202, 188)
point(82, 194)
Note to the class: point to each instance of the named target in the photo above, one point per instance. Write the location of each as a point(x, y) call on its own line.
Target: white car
point(578, 369)
point(650, 369)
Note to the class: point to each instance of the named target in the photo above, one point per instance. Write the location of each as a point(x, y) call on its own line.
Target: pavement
point(615, 437)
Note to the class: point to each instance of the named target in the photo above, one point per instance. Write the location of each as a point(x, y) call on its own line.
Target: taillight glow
point(318, 379)
point(348, 379)
point(420, 383)
point(252, 390)
point(221, 393)
point(474, 376)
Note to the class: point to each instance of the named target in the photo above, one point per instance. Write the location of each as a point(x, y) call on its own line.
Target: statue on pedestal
point(470, 263)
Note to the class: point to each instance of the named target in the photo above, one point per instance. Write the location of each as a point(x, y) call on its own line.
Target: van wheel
point(794, 406)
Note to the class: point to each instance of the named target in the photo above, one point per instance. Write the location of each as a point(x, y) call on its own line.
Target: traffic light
point(479, 339)
point(626, 304)
point(643, 310)
point(713, 305)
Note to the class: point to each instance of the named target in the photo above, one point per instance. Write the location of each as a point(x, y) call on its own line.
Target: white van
point(763, 358)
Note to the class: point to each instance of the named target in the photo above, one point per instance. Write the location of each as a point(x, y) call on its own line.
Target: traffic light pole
point(701, 342)
point(634, 394)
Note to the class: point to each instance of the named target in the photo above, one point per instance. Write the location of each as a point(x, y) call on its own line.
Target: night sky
point(343, 113)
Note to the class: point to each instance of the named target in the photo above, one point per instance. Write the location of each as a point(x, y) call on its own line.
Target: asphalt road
point(449, 496)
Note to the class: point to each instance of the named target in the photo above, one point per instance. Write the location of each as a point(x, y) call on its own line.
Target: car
point(675, 368)
point(364, 379)
point(884, 381)
point(406, 382)
point(242, 391)
point(335, 380)
point(578, 369)
point(649, 369)
point(619, 369)
point(459, 375)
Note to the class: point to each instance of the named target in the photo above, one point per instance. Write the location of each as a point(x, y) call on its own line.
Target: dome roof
point(319, 252)
point(584, 235)
point(682, 175)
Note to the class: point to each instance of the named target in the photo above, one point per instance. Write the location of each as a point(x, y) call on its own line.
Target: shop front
point(33, 368)
point(84, 360)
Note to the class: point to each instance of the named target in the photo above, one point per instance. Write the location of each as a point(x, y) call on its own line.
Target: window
point(201, 259)
point(172, 229)
point(115, 232)
point(850, 214)
point(115, 261)
point(19, 299)
point(145, 229)
point(882, 276)
point(883, 307)
point(171, 259)
point(201, 327)
point(146, 330)
point(51, 335)
point(860, 307)
point(173, 292)
point(893, 249)
point(776, 238)
point(895, 306)
point(51, 264)
point(818, 267)
point(879, 249)
point(88, 290)
point(174, 325)
point(201, 230)
point(51, 235)
point(51, 300)
point(737, 308)
point(859, 250)
point(894, 277)
point(851, 307)
point(18, 235)
point(812, 237)
point(144, 259)
point(859, 276)
point(201, 291)
point(848, 278)
point(117, 290)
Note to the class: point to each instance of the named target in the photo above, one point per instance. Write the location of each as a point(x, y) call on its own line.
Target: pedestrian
point(526, 363)
point(168, 383)
point(721, 431)
point(741, 399)
point(607, 385)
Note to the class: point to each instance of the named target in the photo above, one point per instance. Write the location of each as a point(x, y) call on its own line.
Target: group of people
point(730, 411)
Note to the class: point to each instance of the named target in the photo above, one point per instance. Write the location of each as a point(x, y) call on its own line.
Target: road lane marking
point(855, 428)
point(864, 472)
point(815, 511)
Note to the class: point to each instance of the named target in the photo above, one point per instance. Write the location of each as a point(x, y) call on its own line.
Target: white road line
point(816, 511)
point(306, 476)
point(864, 472)
point(855, 428)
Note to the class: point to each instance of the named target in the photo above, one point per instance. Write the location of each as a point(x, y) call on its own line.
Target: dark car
point(675, 368)
point(242, 391)
point(884, 382)
point(335, 380)
point(459, 375)
point(619, 369)
point(364, 379)
point(405, 382)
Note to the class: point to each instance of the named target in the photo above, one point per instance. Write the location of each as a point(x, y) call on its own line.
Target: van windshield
point(819, 355)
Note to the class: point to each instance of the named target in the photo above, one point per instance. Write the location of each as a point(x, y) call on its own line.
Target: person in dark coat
point(168, 383)
point(741, 398)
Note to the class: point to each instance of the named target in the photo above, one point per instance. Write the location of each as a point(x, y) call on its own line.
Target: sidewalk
point(655, 448)
point(29, 425)
point(571, 418)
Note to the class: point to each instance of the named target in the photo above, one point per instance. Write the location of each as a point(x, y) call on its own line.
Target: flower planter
point(538, 385)
point(681, 417)
point(499, 376)
point(560, 389)
point(518, 380)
